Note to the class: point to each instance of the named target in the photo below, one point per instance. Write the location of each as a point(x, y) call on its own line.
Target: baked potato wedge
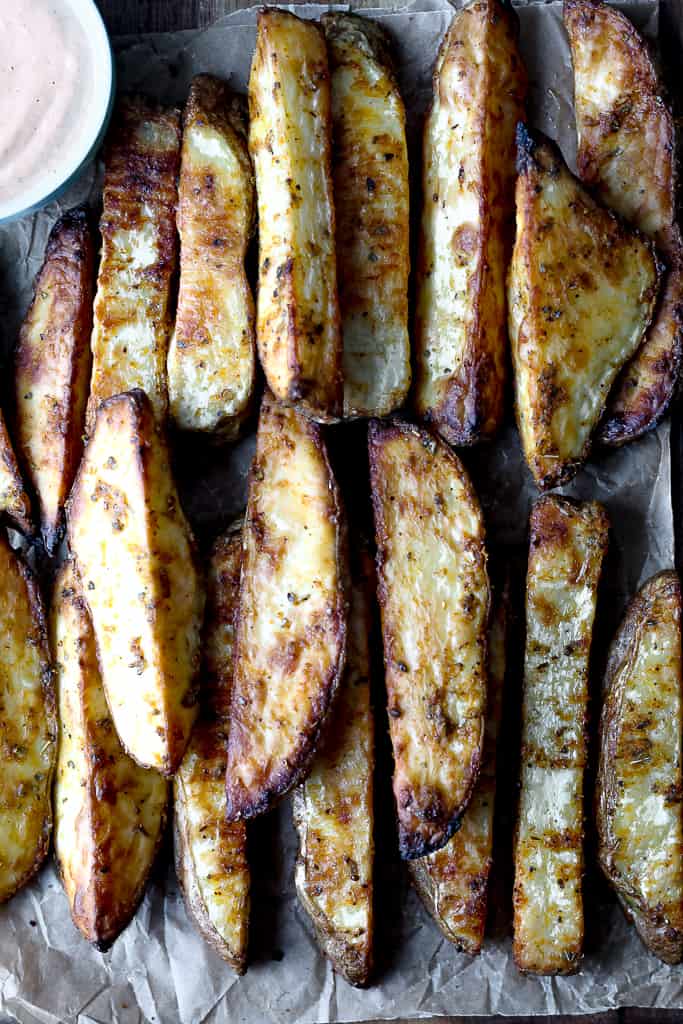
point(371, 199)
point(134, 553)
point(333, 809)
point(582, 291)
point(434, 600)
point(210, 853)
point(567, 545)
point(627, 154)
point(453, 882)
point(28, 726)
point(638, 790)
point(298, 326)
point(14, 501)
point(468, 224)
point(132, 315)
point(211, 358)
point(291, 630)
point(52, 369)
point(109, 812)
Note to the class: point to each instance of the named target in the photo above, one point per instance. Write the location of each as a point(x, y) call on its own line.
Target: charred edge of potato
point(70, 250)
point(655, 930)
point(413, 843)
point(361, 32)
point(14, 501)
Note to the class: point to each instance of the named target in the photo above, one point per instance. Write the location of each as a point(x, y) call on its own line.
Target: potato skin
point(14, 501)
point(211, 358)
point(371, 196)
point(297, 322)
point(291, 630)
point(135, 555)
point(52, 368)
point(434, 600)
point(110, 813)
point(132, 316)
point(468, 224)
point(333, 810)
point(28, 726)
point(638, 791)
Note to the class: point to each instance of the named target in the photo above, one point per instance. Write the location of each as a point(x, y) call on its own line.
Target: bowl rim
point(102, 48)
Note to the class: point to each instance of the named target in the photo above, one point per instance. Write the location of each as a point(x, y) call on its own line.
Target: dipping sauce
point(47, 95)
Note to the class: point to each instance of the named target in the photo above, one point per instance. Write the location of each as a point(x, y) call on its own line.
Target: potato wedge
point(52, 368)
point(453, 882)
point(638, 790)
point(567, 545)
point(434, 598)
point(14, 501)
point(211, 358)
point(109, 812)
point(135, 556)
point(333, 810)
point(210, 853)
point(298, 327)
point(371, 198)
point(132, 316)
point(28, 726)
point(468, 224)
point(291, 632)
point(627, 153)
point(582, 291)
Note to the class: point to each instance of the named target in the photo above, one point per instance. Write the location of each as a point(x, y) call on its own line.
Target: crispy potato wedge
point(132, 316)
point(291, 632)
point(467, 224)
point(627, 153)
point(298, 327)
point(210, 853)
point(333, 810)
point(14, 501)
point(371, 198)
point(28, 726)
point(52, 368)
point(582, 291)
point(453, 882)
point(567, 545)
point(638, 791)
point(434, 598)
point(109, 812)
point(135, 556)
point(211, 358)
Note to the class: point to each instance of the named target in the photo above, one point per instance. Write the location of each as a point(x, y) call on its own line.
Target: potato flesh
point(14, 501)
point(567, 545)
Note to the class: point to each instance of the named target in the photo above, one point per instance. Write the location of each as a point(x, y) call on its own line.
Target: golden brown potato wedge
point(28, 726)
point(291, 632)
point(638, 792)
point(132, 318)
point(582, 290)
point(135, 556)
point(434, 599)
point(109, 812)
point(371, 198)
point(627, 153)
point(52, 368)
point(210, 853)
point(453, 881)
point(14, 501)
point(467, 224)
point(211, 358)
point(298, 324)
point(567, 545)
point(333, 809)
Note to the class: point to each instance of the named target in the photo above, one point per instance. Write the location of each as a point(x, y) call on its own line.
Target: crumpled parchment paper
point(160, 970)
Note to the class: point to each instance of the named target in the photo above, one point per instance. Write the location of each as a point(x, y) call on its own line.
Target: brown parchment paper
point(160, 970)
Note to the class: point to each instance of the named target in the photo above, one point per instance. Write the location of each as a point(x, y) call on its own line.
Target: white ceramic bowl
point(42, 188)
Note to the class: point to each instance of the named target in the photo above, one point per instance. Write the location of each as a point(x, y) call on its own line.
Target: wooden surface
point(123, 16)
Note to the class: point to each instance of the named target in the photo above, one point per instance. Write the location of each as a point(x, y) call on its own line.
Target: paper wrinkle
point(160, 970)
